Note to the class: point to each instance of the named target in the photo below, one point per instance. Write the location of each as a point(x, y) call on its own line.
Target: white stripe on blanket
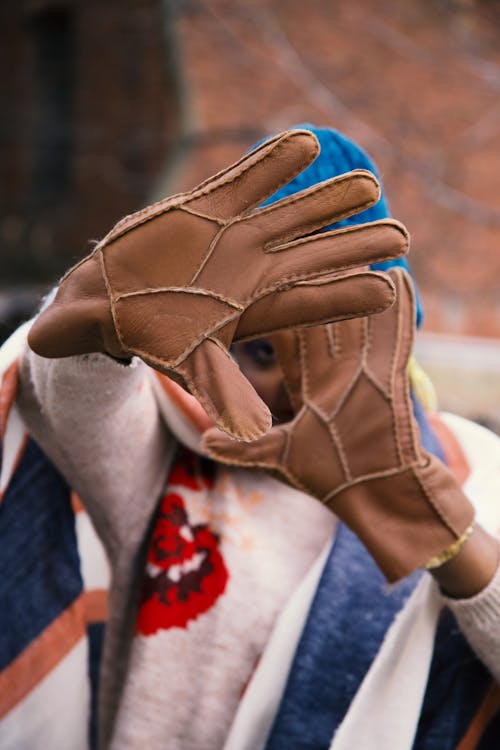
point(397, 676)
point(15, 431)
point(14, 439)
point(31, 726)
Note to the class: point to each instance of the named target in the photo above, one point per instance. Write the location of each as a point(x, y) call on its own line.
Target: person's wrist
point(472, 568)
point(451, 551)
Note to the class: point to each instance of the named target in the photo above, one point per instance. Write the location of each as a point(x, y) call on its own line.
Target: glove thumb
point(78, 320)
point(264, 453)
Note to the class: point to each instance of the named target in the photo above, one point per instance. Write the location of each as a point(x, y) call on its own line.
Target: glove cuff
point(408, 518)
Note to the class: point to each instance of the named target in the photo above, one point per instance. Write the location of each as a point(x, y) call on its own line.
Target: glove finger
point(323, 204)
point(317, 301)
point(256, 176)
point(338, 250)
point(286, 346)
point(264, 453)
point(391, 338)
point(226, 395)
point(329, 358)
point(386, 352)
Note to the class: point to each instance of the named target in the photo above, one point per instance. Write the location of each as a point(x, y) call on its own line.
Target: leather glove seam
point(339, 446)
point(383, 474)
point(150, 212)
point(209, 253)
point(204, 189)
point(296, 279)
point(392, 385)
point(347, 392)
point(324, 321)
point(114, 312)
point(286, 448)
point(295, 421)
point(291, 237)
point(331, 340)
point(206, 334)
point(262, 147)
point(277, 285)
point(271, 247)
point(71, 270)
point(213, 183)
point(372, 378)
point(327, 184)
point(409, 416)
point(204, 399)
point(182, 290)
point(194, 212)
point(395, 357)
point(304, 381)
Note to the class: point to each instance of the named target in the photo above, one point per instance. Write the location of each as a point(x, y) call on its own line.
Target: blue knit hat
point(338, 155)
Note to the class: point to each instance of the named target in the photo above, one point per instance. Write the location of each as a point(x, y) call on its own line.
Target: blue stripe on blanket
point(347, 622)
point(456, 687)
point(95, 633)
point(39, 562)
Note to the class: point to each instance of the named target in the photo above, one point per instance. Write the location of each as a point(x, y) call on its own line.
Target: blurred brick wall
point(89, 110)
point(416, 82)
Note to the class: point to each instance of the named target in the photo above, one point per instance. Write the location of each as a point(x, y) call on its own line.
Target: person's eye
point(261, 352)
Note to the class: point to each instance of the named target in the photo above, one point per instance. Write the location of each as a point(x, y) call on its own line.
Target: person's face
point(259, 364)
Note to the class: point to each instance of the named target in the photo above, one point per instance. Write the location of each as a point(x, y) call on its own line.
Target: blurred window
point(53, 31)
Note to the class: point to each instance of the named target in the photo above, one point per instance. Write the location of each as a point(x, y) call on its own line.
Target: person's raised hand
point(354, 443)
point(176, 282)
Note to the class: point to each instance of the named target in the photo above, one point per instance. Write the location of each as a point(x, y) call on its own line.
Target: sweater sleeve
point(98, 421)
point(479, 616)
point(479, 620)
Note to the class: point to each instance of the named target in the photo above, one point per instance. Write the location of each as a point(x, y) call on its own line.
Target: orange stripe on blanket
point(455, 457)
point(187, 404)
point(484, 714)
point(96, 606)
point(76, 503)
point(42, 656)
point(8, 390)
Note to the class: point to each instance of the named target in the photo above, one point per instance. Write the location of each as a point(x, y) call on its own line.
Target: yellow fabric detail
point(421, 385)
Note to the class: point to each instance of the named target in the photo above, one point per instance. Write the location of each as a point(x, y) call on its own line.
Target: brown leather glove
point(354, 443)
point(177, 281)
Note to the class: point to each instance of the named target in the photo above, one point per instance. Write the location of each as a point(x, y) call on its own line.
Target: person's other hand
point(354, 443)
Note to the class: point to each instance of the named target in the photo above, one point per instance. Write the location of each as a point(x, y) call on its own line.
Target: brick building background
point(157, 94)
point(89, 111)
